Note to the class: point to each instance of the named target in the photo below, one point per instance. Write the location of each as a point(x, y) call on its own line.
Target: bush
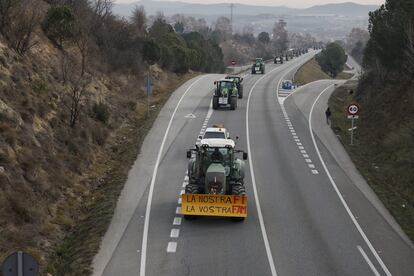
point(151, 52)
point(59, 24)
point(101, 112)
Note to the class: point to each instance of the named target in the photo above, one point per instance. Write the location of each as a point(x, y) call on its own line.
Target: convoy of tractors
point(215, 168)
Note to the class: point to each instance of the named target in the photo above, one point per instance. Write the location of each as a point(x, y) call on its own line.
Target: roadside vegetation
point(312, 71)
point(384, 148)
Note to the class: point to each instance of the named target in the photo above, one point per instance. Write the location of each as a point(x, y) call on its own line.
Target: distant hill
point(169, 8)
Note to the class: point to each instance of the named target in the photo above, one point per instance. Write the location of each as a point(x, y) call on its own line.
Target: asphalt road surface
point(305, 216)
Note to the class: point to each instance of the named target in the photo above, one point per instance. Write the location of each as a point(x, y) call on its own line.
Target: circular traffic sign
point(233, 62)
point(353, 109)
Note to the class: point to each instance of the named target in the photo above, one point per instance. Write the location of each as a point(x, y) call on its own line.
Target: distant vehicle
point(258, 66)
point(225, 94)
point(238, 80)
point(287, 85)
point(278, 60)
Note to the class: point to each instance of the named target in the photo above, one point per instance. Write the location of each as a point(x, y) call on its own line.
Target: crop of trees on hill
point(386, 96)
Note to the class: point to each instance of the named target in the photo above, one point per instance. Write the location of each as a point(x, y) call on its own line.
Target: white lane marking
point(186, 178)
point(301, 147)
point(311, 166)
point(348, 210)
point(293, 131)
point(315, 172)
point(172, 247)
point(297, 140)
point(299, 144)
point(178, 210)
point(182, 192)
point(185, 184)
point(256, 196)
point(175, 233)
point(303, 151)
point(308, 160)
point(305, 156)
point(371, 265)
point(295, 137)
point(154, 176)
point(179, 201)
point(177, 221)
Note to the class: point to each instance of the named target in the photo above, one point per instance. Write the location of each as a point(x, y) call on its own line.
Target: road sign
point(20, 264)
point(353, 116)
point(353, 109)
point(214, 205)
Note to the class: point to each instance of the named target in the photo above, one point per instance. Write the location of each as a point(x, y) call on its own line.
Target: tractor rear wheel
point(233, 102)
point(238, 189)
point(215, 102)
point(191, 189)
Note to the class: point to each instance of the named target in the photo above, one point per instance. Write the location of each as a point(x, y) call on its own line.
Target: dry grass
point(107, 176)
point(311, 71)
point(384, 146)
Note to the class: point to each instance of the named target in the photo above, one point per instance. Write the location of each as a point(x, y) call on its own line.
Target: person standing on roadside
point(328, 114)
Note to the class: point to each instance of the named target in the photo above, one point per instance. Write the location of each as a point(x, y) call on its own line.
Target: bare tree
point(78, 91)
point(280, 37)
point(24, 18)
point(139, 20)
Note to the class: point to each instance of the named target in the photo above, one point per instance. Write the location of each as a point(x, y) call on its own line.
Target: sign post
point(353, 110)
point(148, 85)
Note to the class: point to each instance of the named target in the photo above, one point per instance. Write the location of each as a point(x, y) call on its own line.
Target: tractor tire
point(233, 102)
point(215, 102)
point(241, 92)
point(238, 189)
point(191, 189)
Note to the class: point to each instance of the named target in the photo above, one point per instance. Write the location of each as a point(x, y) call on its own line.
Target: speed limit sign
point(353, 109)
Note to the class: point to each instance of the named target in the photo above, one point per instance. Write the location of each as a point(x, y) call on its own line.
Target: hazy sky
point(289, 3)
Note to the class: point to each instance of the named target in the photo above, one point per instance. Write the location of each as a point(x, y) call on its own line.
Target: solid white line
point(256, 196)
point(175, 233)
point(371, 265)
point(348, 210)
point(172, 247)
point(151, 189)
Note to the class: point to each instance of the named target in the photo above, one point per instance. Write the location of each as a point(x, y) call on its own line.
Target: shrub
point(59, 24)
point(101, 112)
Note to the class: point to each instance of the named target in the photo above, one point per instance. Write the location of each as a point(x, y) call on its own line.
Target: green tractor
point(225, 94)
point(258, 66)
point(238, 80)
point(213, 169)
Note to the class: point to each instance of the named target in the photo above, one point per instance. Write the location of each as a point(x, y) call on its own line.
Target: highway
point(305, 216)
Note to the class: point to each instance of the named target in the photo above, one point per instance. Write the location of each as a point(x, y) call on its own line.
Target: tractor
point(214, 171)
point(225, 94)
point(238, 80)
point(258, 66)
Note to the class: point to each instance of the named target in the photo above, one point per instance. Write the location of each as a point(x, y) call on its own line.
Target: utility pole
point(231, 16)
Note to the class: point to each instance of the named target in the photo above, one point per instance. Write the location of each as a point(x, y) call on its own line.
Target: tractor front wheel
point(215, 102)
point(233, 102)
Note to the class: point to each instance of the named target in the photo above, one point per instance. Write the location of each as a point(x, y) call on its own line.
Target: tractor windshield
point(226, 84)
point(218, 155)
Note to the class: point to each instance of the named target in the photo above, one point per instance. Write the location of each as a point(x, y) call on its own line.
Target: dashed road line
point(172, 247)
point(175, 233)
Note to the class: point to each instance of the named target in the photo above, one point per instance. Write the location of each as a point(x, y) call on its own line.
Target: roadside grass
point(108, 176)
point(311, 71)
point(384, 161)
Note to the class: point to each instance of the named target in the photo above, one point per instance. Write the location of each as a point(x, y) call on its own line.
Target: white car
point(215, 132)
